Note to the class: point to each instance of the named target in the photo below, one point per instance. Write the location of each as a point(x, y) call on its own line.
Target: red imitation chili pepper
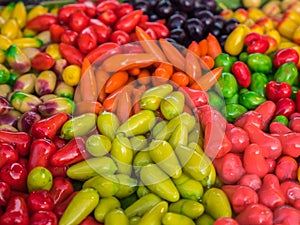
point(128, 22)
point(48, 127)
point(286, 215)
point(60, 208)
point(267, 111)
point(90, 220)
point(160, 29)
point(250, 180)
point(39, 200)
point(61, 188)
point(87, 40)
point(270, 193)
point(112, 48)
point(216, 143)
point(291, 190)
point(16, 212)
point(297, 99)
point(7, 154)
point(229, 168)
point(56, 31)
point(69, 37)
point(270, 146)
point(278, 128)
point(290, 143)
point(238, 137)
point(197, 97)
point(255, 214)
point(276, 91)
point(66, 11)
point(4, 193)
point(42, 22)
point(15, 174)
point(20, 140)
point(253, 153)
point(71, 54)
point(240, 196)
point(242, 73)
point(294, 124)
point(43, 217)
point(40, 152)
point(102, 31)
point(120, 37)
point(74, 151)
point(286, 168)
point(285, 55)
point(124, 9)
point(285, 107)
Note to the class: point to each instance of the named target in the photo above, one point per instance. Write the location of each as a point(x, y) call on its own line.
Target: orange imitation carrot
point(109, 103)
point(180, 78)
point(206, 81)
point(128, 61)
point(134, 71)
point(144, 77)
point(116, 81)
point(88, 107)
point(101, 78)
point(195, 48)
point(207, 62)
point(192, 66)
point(87, 85)
point(124, 103)
point(149, 45)
point(214, 47)
point(172, 53)
point(203, 46)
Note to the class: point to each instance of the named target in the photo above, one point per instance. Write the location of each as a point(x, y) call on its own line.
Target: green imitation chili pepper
point(139, 123)
point(155, 214)
point(251, 99)
point(259, 62)
point(243, 57)
point(91, 167)
point(172, 218)
point(225, 60)
point(159, 182)
point(216, 203)
point(104, 206)
point(152, 97)
point(232, 100)
point(116, 216)
point(172, 105)
point(282, 119)
point(106, 185)
point(162, 154)
point(180, 136)
point(122, 153)
point(205, 219)
point(127, 186)
point(232, 111)
point(228, 84)
point(188, 188)
point(258, 83)
point(83, 203)
point(287, 72)
point(142, 205)
point(79, 126)
point(108, 123)
point(98, 145)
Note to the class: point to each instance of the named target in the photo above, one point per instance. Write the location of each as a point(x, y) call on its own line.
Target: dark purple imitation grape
point(164, 8)
point(176, 21)
point(230, 25)
point(194, 28)
point(186, 5)
point(143, 5)
point(206, 17)
point(179, 35)
point(219, 21)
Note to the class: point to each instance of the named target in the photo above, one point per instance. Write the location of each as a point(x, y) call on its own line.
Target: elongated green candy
point(152, 97)
point(104, 206)
point(139, 123)
point(108, 123)
point(17, 60)
point(172, 105)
